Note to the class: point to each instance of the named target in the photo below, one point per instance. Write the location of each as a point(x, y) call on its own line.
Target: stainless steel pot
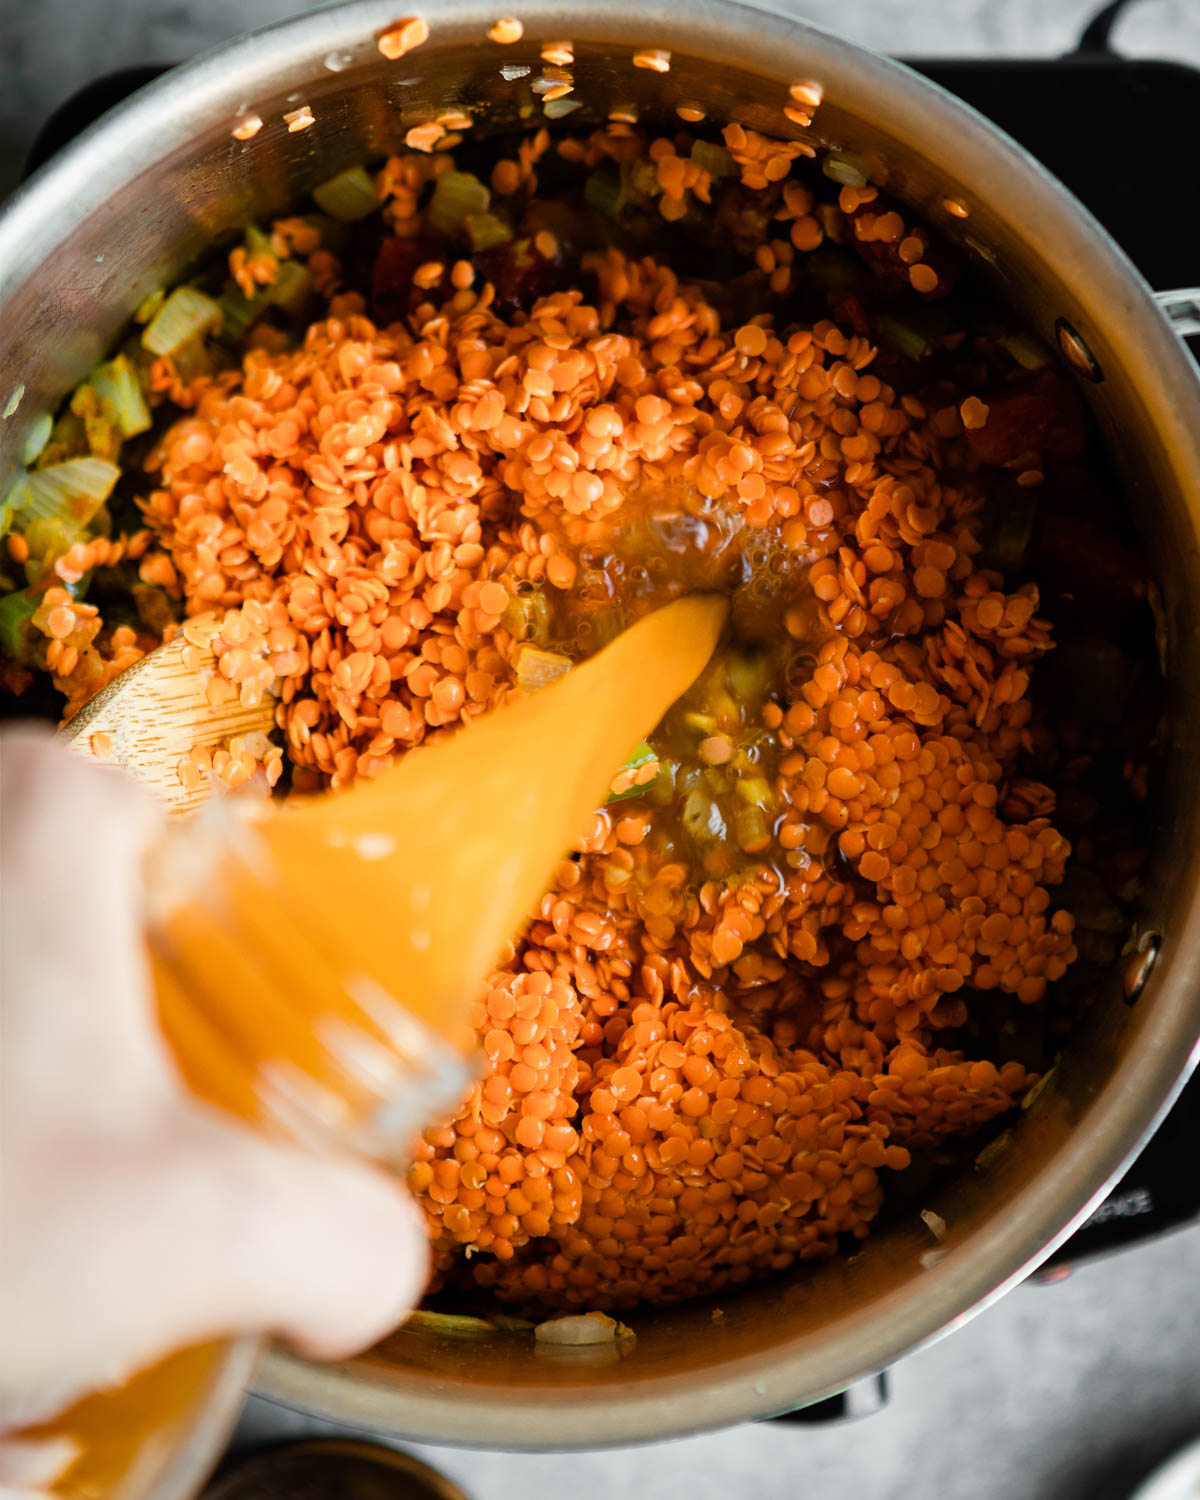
point(139, 196)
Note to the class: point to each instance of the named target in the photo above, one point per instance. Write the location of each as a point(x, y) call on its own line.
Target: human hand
point(136, 1220)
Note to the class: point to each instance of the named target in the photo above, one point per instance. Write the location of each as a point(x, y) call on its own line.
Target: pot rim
point(225, 82)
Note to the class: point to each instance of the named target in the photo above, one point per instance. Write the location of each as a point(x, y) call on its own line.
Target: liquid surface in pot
point(447, 430)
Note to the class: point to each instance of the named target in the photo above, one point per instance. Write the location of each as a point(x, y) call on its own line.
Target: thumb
point(335, 1252)
point(249, 1234)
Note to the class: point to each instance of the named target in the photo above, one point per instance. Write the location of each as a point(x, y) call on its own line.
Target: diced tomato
point(520, 274)
point(1039, 417)
point(393, 295)
point(848, 310)
point(1077, 559)
point(884, 260)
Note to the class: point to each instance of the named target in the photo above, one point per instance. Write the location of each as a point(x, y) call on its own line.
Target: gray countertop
point(1071, 1391)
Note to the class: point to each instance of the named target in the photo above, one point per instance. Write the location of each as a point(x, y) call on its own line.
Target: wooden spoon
point(151, 715)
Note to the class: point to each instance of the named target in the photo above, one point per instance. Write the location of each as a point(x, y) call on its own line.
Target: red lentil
point(403, 37)
point(506, 31)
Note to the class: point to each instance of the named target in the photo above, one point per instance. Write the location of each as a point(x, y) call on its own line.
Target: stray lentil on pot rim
point(456, 422)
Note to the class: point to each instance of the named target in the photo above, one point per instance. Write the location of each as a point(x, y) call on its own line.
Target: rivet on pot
point(1076, 352)
point(1139, 965)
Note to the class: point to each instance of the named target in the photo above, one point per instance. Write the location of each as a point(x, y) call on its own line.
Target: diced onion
point(456, 197)
point(117, 385)
point(935, 1224)
point(349, 196)
point(582, 1328)
point(538, 669)
point(850, 171)
point(184, 314)
point(72, 491)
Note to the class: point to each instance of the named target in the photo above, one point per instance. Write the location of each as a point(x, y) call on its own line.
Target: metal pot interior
point(146, 191)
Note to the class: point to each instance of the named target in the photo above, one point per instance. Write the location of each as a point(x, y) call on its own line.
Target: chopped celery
point(333, 234)
point(16, 635)
point(185, 314)
point(1006, 527)
point(833, 270)
point(290, 291)
point(724, 709)
point(73, 491)
point(292, 286)
point(349, 196)
point(238, 311)
point(148, 306)
point(602, 191)
point(68, 439)
point(661, 791)
point(994, 1150)
point(704, 723)
point(640, 178)
point(715, 779)
point(17, 496)
point(1045, 1082)
point(99, 425)
point(120, 391)
point(747, 676)
point(756, 790)
point(258, 243)
point(751, 829)
point(1029, 353)
point(48, 538)
point(713, 159)
point(643, 754)
point(37, 437)
point(7, 511)
point(485, 231)
point(538, 669)
point(457, 196)
point(457, 1324)
point(901, 337)
point(192, 358)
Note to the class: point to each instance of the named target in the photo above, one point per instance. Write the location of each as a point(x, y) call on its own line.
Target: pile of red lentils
point(690, 1081)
